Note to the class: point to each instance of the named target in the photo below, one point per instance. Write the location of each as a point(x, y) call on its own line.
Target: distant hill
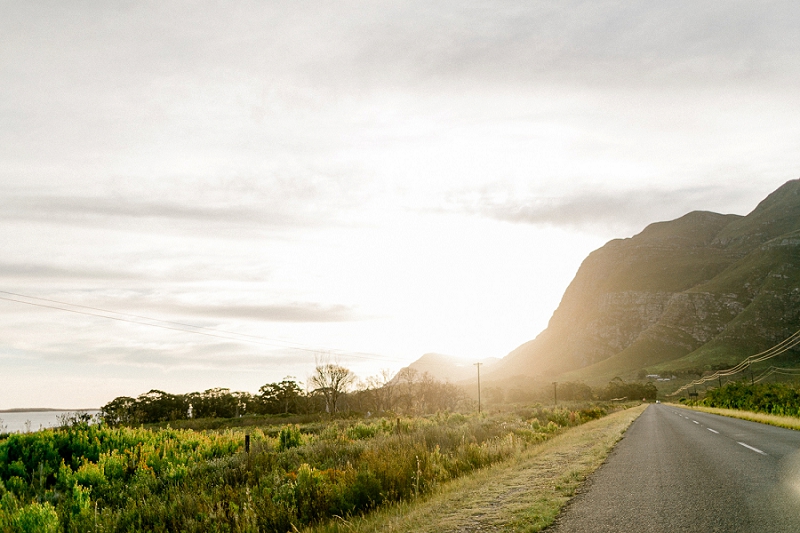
point(45, 410)
point(448, 368)
point(690, 294)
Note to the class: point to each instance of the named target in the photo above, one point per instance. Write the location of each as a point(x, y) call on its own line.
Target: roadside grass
point(789, 422)
point(523, 494)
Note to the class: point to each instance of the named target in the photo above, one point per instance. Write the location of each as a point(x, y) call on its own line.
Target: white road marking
point(695, 421)
point(751, 448)
point(713, 431)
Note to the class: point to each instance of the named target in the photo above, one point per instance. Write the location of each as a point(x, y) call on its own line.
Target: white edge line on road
point(695, 421)
point(751, 448)
point(715, 431)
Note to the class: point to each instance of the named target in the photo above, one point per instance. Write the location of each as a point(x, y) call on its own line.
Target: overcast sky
point(368, 180)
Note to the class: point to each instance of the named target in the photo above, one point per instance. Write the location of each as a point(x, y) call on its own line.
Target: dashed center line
point(695, 421)
point(751, 448)
point(713, 431)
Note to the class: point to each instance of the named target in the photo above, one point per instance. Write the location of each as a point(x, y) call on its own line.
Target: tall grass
point(89, 478)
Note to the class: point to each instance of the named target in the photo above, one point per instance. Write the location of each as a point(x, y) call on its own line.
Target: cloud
point(598, 209)
point(306, 312)
point(205, 355)
point(302, 199)
point(523, 43)
point(365, 46)
point(293, 312)
point(89, 209)
point(44, 271)
point(221, 356)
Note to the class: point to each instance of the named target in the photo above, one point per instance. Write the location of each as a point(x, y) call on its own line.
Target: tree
point(434, 395)
point(574, 390)
point(380, 391)
point(218, 402)
point(619, 389)
point(407, 380)
point(120, 410)
point(331, 381)
point(281, 397)
point(159, 406)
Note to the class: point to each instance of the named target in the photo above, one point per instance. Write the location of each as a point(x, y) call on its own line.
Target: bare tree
point(381, 390)
point(407, 380)
point(332, 381)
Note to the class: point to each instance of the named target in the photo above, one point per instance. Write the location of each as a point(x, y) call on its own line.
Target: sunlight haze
point(362, 181)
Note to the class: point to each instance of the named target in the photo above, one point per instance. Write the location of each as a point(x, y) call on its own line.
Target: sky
point(271, 185)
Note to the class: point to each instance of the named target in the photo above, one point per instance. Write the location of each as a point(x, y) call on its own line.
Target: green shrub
point(362, 431)
point(33, 518)
point(770, 398)
point(289, 437)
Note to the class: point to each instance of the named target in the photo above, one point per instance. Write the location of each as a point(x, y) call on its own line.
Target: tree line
point(332, 389)
point(772, 398)
point(616, 389)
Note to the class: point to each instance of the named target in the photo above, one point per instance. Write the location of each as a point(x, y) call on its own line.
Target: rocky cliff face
point(700, 290)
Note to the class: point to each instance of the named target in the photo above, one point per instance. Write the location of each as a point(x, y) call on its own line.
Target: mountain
point(695, 293)
point(448, 368)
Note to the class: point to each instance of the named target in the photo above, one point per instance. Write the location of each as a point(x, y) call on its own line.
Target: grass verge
point(523, 494)
point(789, 422)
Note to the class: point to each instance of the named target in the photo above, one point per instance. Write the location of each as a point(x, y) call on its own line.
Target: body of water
point(34, 420)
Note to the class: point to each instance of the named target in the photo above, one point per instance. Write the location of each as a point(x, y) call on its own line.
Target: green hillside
point(682, 296)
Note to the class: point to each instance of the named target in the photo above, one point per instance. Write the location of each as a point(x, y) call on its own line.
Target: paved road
point(681, 470)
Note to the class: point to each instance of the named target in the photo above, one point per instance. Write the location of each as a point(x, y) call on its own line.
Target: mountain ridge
point(446, 368)
point(687, 295)
point(682, 294)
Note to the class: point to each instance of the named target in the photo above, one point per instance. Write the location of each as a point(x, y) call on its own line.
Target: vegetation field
point(781, 399)
point(777, 404)
point(100, 478)
point(524, 494)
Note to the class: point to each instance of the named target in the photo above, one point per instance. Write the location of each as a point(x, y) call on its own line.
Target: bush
point(289, 437)
point(771, 398)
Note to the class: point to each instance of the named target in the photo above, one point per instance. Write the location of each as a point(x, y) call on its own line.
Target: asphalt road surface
point(678, 470)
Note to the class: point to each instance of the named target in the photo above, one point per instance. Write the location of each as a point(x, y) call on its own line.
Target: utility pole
point(479, 385)
point(555, 393)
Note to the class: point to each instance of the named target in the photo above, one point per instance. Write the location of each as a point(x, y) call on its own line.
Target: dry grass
point(789, 422)
point(523, 494)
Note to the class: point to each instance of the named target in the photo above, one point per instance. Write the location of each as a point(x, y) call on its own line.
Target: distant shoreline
point(43, 409)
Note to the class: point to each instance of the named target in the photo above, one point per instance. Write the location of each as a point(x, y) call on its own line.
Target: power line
point(776, 370)
point(780, 348)
point(143, 323)
point(181, 327)
point(153, 319)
